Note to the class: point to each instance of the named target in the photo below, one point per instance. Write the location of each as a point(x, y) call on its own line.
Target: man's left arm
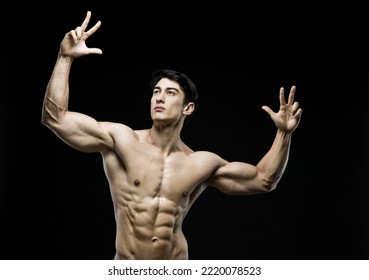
point(238, 178)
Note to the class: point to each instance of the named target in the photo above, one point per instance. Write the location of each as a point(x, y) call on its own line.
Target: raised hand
point(289, 114)
point(74, 42)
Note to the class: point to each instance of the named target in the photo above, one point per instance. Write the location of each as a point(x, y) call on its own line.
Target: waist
point(151, 247)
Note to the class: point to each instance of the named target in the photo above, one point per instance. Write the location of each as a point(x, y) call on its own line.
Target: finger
point(93, 29)
point(295, 106)
point(267, 109)
point(72, 34)
point(282, 100)
point(298, 113)
point(291, 96)
point(78, 31)
point(86, 21)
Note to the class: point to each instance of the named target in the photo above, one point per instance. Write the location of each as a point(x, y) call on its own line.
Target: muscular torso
point(152, 193)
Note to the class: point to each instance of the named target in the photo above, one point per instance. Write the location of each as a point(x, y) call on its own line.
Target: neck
point(167, 138)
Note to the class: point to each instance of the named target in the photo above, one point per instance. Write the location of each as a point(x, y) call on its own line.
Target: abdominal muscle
point(150, 229)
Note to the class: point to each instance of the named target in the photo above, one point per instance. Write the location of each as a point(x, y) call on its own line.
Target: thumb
point(95, 51)
point(267, 109)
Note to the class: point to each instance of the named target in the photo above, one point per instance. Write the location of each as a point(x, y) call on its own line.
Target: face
point(167, 102)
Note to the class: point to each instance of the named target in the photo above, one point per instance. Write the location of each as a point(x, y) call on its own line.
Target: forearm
point(57, 92)
point(273, 164)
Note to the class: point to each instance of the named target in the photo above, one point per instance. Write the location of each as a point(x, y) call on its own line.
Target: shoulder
point(119, 130)
point(208, 159)
point(207, 163)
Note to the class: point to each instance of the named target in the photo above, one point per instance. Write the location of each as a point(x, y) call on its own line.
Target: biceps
point(83, 132)
point(237, 178)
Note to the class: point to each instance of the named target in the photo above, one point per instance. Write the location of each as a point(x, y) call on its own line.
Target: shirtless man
point(154, 177)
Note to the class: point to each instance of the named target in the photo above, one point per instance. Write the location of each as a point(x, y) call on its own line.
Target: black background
point(55, 201)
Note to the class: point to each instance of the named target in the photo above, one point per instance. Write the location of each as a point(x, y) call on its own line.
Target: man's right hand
point(74, 42)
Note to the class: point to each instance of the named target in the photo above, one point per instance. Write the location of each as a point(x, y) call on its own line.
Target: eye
point(171, 92)
point(155, 91)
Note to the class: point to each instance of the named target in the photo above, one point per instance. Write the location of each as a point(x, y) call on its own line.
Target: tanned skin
point(154, 177)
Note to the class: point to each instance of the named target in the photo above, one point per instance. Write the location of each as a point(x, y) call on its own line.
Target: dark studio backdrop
point(55, 201)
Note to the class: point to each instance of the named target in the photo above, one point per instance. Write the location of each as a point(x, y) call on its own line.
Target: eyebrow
point(168, 88)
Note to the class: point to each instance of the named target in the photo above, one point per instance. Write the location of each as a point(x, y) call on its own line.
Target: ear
point(189, 108)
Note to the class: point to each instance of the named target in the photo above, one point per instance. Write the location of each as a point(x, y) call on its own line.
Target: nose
point(160, 98)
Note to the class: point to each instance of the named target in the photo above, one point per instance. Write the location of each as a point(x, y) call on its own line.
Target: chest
point(152, 173)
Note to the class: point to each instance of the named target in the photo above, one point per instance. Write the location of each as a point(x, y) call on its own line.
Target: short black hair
point(185, 83)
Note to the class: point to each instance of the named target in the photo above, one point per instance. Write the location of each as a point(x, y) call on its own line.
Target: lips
point(159, 109)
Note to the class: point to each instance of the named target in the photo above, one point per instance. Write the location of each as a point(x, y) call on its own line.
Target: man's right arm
point(78, 130)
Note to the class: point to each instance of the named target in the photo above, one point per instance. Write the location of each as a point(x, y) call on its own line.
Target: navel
point(136, 182)
point(154, 239)
point(184, 193)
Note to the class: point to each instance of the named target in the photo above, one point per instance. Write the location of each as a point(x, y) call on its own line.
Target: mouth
point(159, 109)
